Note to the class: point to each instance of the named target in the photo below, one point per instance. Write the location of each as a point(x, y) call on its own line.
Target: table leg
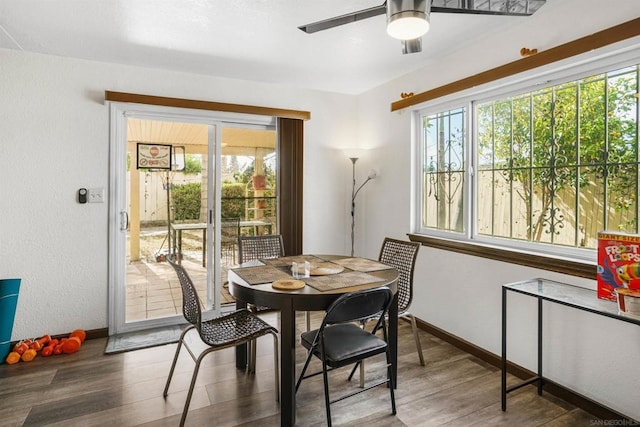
point(287, 367)
point(172, 243)
point(393, 339)
point(241, 350)
point(540, 381)
point(504, 350)
point(204, 247)
point(179, 246)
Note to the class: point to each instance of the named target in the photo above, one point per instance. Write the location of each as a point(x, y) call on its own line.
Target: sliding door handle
point(124, 220)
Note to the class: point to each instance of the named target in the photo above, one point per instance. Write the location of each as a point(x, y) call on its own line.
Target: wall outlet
point(96, 195)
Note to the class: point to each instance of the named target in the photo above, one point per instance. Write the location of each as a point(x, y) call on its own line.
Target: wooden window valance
point(205, 105)
point(597, 40)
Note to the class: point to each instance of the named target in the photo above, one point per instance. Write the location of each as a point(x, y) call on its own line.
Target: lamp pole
point(354, 193)
point(353, 200)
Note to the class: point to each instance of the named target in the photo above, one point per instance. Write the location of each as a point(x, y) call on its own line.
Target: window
point(550, 166)
point(443, 202)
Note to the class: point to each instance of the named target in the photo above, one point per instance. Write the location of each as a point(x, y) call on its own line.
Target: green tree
point(193, 164)
point(568, 136)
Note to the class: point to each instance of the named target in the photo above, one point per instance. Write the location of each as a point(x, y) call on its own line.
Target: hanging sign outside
point(154, 156)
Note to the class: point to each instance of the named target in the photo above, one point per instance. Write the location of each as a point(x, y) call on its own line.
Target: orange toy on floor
point(27, 350)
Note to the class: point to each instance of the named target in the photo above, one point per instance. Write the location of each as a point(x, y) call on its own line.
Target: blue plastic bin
point(9, 289)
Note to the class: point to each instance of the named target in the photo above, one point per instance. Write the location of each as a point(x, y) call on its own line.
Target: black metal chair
point(229, 233)
point(340, 342)
point(402, 256)
point(229, 330)
point(267, 246)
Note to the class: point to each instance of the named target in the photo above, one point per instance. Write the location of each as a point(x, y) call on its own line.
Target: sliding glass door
point(183, 186)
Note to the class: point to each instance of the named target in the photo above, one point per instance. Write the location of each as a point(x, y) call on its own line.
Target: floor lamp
point(354, 193)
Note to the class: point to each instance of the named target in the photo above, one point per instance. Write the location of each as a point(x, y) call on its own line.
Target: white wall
point(593, 355)
point(54, 136)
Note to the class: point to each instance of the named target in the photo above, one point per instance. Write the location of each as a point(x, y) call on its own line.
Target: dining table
point(330, 276)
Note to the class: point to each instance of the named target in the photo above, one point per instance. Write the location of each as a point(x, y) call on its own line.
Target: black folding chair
point(340, 342)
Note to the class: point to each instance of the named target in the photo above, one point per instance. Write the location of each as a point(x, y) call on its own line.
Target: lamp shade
point(407, 19)
point(354, 152)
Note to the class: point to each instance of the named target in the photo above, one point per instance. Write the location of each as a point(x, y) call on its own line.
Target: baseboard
point(580, 401)
point(97, 333)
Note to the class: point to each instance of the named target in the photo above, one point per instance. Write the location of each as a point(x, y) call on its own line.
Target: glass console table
point(558, 293)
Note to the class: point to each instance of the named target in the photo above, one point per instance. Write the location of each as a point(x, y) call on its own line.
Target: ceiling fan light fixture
point(412, 46)
point(407, 19)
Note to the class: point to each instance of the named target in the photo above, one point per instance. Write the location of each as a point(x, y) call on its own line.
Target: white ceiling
point(245, 39)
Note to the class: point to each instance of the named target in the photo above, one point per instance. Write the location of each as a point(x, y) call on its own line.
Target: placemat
point(261, 274)
point(286, 261)
point(362, 264)
point(339, 281)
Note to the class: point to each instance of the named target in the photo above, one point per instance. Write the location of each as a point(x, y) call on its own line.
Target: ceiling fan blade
point(477, 7)
point(345, 19)
point(488, 7)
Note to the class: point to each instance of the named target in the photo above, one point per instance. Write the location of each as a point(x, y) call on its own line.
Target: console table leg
point(504, 349)
point(540, 346)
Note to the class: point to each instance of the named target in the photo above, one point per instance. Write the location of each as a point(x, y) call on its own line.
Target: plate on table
point(288, 284)
point(320, 269)
point(325, 269)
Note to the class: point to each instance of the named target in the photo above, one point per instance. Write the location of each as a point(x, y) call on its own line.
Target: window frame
point(435, 108)
point(548, 76)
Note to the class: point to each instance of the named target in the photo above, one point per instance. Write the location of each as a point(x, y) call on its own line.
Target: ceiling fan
point(408, 20)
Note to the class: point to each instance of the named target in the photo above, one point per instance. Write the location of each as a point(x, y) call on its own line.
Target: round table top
point(307, 298)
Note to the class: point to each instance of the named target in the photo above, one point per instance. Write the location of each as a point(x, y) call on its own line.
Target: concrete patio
point(153, 289)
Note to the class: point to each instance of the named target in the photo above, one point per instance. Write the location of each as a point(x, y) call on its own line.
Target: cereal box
point(618, 263)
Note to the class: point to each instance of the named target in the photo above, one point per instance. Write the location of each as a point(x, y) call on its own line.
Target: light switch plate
point(96, 195)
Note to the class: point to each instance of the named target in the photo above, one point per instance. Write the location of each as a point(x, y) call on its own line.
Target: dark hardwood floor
point(90, 388)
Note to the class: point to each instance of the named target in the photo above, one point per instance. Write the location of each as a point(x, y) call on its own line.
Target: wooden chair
point(229, 330)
